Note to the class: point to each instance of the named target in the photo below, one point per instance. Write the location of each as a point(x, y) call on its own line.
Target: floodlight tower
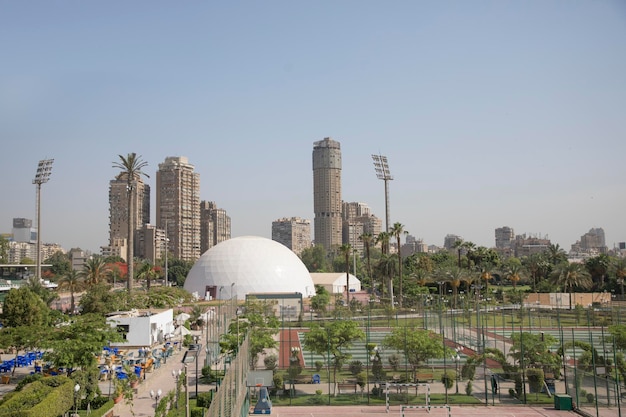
point(44, 169)
point(382, 172)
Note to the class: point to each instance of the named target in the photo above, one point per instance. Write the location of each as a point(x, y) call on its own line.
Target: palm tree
point(570, 275)
point(146, 271)
point(346, 251)
point(454, 277)
point(598, 267)
point(385, 268)
point(397, 230)
point(96, 269)
point(73, 282)
point(619, 269)
point(383, 239)
point(458, 245)
point(470, 247)
point(514, 274)
point(368, 240)
point(485, 275)
point(556, 254)
point(131, 166)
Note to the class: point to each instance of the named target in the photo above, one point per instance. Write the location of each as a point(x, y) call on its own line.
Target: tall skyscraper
point(505, 237)
point(215, 225)
point(118, 212)
point(178, 206)
point(327, 193)
point(294, 232)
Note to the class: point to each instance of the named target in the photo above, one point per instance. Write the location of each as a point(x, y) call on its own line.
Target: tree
point(4, 250)
point(346, 251)
point(368, 241)
point(513, 273)
point(73, 282)
point(397, 230)
point(418, 345)
point(320, 300)
point(571, 275)
point(383, 240)
point(385, 268)
point(333, 339)
point(556, 254)
point(96, 270)
point(458, 245)
point(77, 343)
point(532, 350)
point(315, 259)
point(22, 307)
point(454, 277)
point(131, 166)
point(598, 267)
point(23, 337)
point(60, 263)
point(618, 268)
point(147, 271)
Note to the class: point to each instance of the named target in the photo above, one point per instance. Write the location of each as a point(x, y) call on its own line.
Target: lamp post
point(190, 356)
point(157, 396)
point(456, 358)
point(176, 375)
point(76, 390)
point(44, 169)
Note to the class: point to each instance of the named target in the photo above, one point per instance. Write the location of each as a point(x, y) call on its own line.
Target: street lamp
point(176, 375)
point(456, 358)
point(44, 169)
point(76, 390)
point(190, 356)
point(157, 397)
point(195, 348)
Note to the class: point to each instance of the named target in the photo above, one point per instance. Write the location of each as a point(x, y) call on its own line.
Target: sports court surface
point(379, 411)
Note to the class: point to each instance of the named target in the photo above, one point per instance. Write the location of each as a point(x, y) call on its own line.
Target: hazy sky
point(491, 113)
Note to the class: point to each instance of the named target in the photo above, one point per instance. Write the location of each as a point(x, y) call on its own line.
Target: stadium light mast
point(44, 169)
point(382, 172)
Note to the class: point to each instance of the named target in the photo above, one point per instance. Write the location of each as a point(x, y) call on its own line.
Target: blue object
point(316, 379)
point(264, 405)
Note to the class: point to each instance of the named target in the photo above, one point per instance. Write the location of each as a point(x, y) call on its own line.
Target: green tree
point(618, 268)
point(148, 272)
point(96, 270)
point(100, 300)
point(386, 268)
point(320, 300)
point(77, 343)
point(22, 307)
point(4, 250)
point(556, 254)
point(571, 275)
point(418, 345)
point(334, 339)
point(397, 230)
point(73, 282)
point(131, 167)
point(532, 350)
point(346, 250)
point(315, 258)
point(60, 262)
point(23, 337)
point(178, 269)
point(383, 240)
point(368, 241)
point(598, 268)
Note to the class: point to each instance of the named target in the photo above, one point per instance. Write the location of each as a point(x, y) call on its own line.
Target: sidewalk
point(160, 379)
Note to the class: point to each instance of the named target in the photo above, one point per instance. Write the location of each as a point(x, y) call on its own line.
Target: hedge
point(41, 398)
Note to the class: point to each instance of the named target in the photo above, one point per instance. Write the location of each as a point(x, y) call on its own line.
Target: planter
point(118, 399)
point(134, 383)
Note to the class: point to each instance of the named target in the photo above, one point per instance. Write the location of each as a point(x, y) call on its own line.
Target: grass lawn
point(361, 399)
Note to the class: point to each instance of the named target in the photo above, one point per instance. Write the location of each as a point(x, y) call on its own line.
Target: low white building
point(142, 327)
point(335, 282)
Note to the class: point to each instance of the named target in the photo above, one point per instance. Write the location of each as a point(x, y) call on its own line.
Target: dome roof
point(248, 264)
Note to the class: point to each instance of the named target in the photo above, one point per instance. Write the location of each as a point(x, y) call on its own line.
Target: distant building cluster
point(185, 226)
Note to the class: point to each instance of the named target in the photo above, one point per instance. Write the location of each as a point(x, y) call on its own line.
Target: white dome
point(253, 264)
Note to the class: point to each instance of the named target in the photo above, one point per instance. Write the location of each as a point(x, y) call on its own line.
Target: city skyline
point(491, 114)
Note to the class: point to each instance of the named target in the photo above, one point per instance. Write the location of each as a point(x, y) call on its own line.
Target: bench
point(423, 377)
point(347, 387)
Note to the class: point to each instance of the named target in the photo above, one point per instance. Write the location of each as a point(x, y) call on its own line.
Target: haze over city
point(490, 113)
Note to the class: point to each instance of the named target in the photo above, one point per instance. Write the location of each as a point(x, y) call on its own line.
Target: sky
point(491, 113)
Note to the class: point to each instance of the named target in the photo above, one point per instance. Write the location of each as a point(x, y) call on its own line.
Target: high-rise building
point(356, 219)
point(178, 206)
point(327, 193)
point(505, 237)
point(294, 232)
point(215, 225)
point(23, 230)
point(118, 208)
point(150, 243)
point(594, 240)
point(450, 240)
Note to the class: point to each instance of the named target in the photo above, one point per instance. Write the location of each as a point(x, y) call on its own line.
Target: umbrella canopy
point(181, 331)
point(181, 318)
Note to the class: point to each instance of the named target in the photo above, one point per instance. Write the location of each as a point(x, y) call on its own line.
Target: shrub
point(394, 361)
point(590, 397)
point(448, 378)
point(204, 399)
point(468, 388)
point(356, 367)
point(535, 379)
point(583, 393)
point(197, 412)
point(270, 362)
point(512, 393)
point(319, 365)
